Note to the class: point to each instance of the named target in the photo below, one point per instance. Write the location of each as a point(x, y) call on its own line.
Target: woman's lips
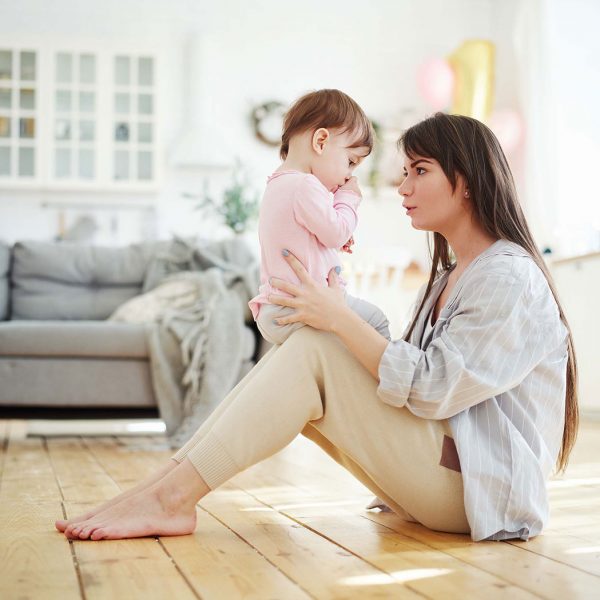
point(409, 210)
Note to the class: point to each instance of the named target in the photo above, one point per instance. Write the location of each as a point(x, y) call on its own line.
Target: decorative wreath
point(267, 120)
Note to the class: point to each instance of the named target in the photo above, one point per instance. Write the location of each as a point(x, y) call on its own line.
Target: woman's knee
point(308, 338)
point(314, 349)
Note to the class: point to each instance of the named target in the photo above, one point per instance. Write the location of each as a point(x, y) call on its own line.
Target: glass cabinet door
point(75, 116)
point(18, 113)
point(80, 114)
point(133, 118)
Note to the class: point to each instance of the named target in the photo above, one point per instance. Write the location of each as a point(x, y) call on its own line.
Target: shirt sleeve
point(332, 222)
point(497, 335)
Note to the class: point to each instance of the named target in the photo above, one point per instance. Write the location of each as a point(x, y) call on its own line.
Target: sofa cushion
point(72, 339)
point(4, 283)
point(72, 281)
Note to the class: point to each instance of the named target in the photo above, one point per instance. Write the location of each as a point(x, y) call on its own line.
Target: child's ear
point(320, 139)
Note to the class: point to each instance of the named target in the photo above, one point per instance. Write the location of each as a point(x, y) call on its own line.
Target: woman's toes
point(98, 534)
point(72, 531)
point(85, 532)
point(61, 524)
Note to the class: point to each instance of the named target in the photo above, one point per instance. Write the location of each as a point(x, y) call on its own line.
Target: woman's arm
point(324, 308)
point(496, 336)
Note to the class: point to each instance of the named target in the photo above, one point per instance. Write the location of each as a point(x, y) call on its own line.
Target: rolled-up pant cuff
point(211, 460)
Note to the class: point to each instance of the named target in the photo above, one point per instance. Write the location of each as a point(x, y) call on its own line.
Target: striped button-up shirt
point(494, 365)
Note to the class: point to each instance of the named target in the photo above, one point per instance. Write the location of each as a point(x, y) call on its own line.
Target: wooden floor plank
point(535, 573)
point(138, 568)
point(283, 542)
point(35, 562)
point(427, 571)
point(292, 527)
point(324, 569)
point(219, 564)
point(567, 549)
point(563, 497)
point(216, 562)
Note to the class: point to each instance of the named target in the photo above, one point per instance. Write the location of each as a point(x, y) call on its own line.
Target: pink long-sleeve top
point(299, 213)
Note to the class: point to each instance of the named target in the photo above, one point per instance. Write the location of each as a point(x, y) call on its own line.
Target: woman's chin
point(420, 226)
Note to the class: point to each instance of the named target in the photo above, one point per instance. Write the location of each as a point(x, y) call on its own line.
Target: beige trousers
point(313, 385)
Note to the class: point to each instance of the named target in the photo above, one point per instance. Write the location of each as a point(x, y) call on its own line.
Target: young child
point(310, 203)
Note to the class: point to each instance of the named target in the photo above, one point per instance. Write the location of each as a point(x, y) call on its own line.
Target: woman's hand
point(314, 305)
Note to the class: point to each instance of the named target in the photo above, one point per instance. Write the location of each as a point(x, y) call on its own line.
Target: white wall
point(574, 78)
point(258, 51)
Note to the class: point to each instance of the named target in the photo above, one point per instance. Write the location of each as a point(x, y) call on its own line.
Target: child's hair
point(330, 109)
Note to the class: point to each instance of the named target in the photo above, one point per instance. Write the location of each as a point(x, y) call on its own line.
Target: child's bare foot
point(166, 508)
point(62, 524)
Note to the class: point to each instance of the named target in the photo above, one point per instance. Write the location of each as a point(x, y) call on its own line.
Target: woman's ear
point(320, 139)
point(463, 188)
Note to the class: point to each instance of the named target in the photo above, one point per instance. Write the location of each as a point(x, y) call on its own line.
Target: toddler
point(310, 203)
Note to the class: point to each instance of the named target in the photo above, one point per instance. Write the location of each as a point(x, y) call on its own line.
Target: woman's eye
point(420, 170)
point(351, 162)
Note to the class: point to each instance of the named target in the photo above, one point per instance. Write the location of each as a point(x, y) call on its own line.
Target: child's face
point(334, 160)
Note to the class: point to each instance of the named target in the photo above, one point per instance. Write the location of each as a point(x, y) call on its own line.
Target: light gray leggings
point(277, 334)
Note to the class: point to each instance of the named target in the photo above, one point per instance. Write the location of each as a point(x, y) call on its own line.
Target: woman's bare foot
point(166, 508)
point(62, 524)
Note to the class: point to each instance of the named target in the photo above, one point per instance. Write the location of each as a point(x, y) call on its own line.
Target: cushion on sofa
point(73, 281)
point(72, 339)
point(4, 283)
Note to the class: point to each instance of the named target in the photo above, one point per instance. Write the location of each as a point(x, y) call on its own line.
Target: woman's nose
point(404, 189)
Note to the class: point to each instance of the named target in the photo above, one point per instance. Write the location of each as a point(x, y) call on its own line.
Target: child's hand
point(351, 186)
point(347, 247)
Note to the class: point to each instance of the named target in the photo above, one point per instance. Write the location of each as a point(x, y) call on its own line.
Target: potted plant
point(238, 206)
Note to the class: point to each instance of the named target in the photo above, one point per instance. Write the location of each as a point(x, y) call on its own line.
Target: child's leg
point(371, 314)
point(275, 334)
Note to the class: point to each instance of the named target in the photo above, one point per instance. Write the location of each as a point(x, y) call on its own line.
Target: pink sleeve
point(331, 222)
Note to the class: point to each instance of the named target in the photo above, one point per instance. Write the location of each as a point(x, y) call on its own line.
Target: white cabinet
point(578, 284)
point(78, 115)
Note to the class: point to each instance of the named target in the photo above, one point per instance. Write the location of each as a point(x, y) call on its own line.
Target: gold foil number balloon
point(473, 64)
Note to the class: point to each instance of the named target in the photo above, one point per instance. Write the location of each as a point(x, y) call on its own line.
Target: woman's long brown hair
point(466, 147)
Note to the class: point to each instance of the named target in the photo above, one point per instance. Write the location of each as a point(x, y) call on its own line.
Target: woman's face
point(429, 199)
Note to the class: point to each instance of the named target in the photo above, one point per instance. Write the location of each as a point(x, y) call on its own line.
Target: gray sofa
point(56, 347)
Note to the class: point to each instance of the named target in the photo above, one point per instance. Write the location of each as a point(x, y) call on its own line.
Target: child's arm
point(332, 223)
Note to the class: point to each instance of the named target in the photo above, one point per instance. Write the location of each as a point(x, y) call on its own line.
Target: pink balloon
point(435, 80)
point(508, 127)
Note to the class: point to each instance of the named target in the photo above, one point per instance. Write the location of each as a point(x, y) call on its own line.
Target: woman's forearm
point(361, 339)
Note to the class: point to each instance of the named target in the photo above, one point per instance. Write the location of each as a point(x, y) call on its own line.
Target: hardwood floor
point(291, 527)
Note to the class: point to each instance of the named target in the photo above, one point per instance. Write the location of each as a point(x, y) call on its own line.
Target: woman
point(458, 424)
